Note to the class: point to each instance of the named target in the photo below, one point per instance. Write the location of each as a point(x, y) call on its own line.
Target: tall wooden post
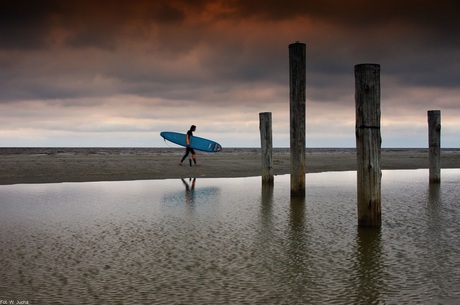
point(434, 143)
point(368, 144)
point(265, 127)
point(297, 81)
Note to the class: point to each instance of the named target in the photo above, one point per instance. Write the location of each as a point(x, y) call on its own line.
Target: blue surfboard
point(195, 142)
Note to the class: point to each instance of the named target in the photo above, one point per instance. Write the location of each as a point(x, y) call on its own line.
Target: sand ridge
point(50, 165)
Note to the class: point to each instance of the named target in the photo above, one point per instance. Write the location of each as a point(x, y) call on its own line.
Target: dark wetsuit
point(189, 149)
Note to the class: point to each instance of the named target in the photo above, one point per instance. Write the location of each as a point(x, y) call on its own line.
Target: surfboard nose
point(216, 147)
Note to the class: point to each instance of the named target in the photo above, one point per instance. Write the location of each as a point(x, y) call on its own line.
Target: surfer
point(188, 149)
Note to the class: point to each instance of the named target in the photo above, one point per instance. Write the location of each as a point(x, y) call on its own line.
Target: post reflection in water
point(440, 249)
point(298, 253)
point(368, 282)
point(267, 207)
point(266, 238)
point(285, 252)
point(297, 227)
point(433, 193)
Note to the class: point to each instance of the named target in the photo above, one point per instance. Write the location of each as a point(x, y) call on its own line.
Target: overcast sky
point(117, 73)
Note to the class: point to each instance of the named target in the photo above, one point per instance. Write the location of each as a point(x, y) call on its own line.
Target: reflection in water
point(439, 250)
point(189, 191)
point(193, 195)
point(137, 242)
point(434, 194)
point(297, 248)
point(369, 268)
point(266, 205)
point(297, 215)
point(298, 252)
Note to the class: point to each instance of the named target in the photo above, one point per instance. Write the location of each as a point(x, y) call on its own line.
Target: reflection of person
point(188, 149)
point(189, 191)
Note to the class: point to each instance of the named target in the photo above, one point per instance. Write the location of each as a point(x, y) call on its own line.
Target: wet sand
point(49, 165)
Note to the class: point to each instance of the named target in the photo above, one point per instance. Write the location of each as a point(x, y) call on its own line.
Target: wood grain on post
point(368, 144)
point(434, 144)
point(297, 97)
point(265, 126)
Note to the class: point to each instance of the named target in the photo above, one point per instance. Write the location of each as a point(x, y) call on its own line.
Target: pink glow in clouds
point(116, 73)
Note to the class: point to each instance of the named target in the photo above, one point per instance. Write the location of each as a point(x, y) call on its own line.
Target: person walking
point(189, 149)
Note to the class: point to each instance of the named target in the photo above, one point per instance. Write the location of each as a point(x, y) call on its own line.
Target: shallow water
point(230, 241)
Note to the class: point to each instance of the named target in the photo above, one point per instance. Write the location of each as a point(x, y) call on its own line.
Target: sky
point(116, 73)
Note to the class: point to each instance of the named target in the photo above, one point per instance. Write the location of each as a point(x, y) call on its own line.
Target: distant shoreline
point(176, 149)
point(80, 164)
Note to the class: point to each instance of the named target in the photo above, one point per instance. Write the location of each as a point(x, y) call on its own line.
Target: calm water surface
point(230, 241)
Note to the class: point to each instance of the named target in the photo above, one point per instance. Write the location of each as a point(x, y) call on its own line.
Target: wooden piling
point(368, 144)
point(297, 83)
point(434, 144)
point(265, 127)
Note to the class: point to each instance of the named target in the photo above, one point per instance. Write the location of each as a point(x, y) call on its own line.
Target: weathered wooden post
point(368, 144)
point(297, 81)
point(265, 127)
point(434, 144)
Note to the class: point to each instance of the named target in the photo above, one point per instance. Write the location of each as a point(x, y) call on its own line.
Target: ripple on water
point(230, 242)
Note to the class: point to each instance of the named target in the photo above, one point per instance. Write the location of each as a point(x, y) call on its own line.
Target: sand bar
point(49, 165)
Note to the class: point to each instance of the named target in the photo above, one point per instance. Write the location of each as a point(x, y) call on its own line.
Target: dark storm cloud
point(412, 40)
point(166, 13)
point(415, 41)
point(439, 15)
point(27, 24)
point(24, 24)
point(91, 38)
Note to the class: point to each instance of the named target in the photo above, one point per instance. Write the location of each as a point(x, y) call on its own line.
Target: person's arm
point(187, 139)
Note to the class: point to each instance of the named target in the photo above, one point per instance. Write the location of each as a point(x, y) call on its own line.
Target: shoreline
point(56, 165)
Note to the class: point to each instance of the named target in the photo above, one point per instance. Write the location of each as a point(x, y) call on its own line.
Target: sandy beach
point(50, 165)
